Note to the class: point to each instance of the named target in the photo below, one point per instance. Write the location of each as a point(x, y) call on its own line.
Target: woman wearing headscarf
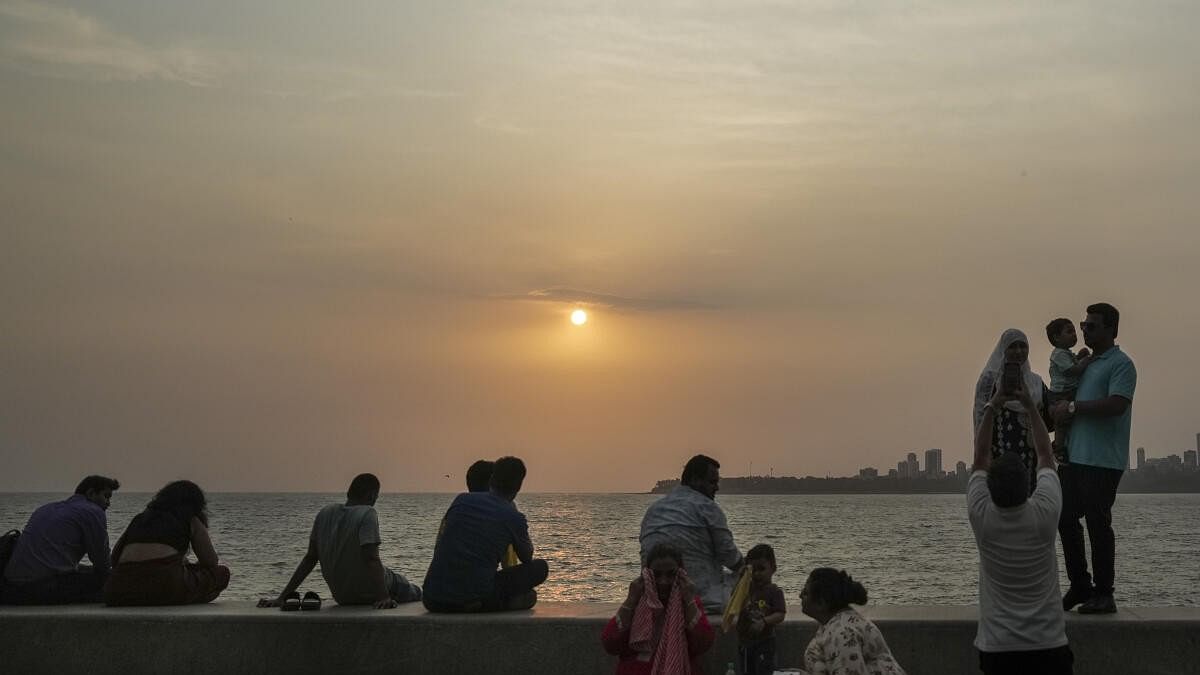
point(660, 629)
point(1013, 430)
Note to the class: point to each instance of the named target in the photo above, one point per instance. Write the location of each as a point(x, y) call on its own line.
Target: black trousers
point(513, 589)
point(62, 589)
point(1089, 493)
point(1057, 661)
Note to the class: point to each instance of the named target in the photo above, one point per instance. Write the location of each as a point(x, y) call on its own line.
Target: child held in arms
point(765, 608)
point(1065, 369)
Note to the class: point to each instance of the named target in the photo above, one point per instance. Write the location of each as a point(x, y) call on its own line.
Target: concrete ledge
point(234, 637)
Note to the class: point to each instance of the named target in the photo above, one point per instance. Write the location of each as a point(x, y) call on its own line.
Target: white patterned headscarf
point(995, 366)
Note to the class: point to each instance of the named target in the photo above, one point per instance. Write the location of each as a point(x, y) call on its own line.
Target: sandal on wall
point(311, 602)
point(291, 603)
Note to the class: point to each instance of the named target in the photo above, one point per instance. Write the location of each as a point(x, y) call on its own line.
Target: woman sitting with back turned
point(661, 627)
point(846, 643)
point(149, 564)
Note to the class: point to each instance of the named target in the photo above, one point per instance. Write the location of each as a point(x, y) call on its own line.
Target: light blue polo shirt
point(1104, 441)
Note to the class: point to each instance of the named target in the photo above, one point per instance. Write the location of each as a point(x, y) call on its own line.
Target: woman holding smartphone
point(1008, 369)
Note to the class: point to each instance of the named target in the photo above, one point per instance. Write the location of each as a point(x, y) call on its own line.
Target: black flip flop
point(291, 603)
point(311, 602)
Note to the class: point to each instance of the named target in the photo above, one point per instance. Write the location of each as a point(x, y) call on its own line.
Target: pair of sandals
point(310, 603)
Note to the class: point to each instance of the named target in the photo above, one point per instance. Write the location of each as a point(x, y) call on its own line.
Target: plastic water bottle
point(730, 670)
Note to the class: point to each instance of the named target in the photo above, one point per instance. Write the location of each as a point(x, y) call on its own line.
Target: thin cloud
point(497, 125)
point(618, 302)
point(56, 42)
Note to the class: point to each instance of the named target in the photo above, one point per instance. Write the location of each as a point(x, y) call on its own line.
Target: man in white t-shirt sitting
point(1021, 624)
point(345, 541)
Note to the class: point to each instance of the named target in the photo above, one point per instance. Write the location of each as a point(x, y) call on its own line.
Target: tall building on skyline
point(1141, 458)
point(933, 462)
point(960, 468)
point(902, 469)
point(914, 465)
point(1189, 458)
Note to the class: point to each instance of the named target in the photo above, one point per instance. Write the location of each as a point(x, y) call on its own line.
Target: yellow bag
point(737, 600)
point(510, 558)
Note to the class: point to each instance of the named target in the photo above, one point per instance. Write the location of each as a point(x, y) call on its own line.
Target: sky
point(268, 246)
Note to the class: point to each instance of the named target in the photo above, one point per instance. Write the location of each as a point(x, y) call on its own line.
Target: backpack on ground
point(8, 544)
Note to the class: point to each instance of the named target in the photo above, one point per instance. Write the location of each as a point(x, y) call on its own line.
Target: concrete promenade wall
point(234, 637)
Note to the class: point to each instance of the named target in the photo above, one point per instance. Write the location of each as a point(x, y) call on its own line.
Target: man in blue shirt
point(45, 569)
point(478, 529)
point(1098, 449)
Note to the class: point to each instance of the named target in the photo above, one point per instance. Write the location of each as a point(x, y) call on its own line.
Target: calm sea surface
point(907, 549)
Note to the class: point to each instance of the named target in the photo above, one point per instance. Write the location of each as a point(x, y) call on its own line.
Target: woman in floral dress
point(846, 643)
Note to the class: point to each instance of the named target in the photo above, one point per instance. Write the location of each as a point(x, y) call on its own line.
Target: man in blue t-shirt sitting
point(478, 529)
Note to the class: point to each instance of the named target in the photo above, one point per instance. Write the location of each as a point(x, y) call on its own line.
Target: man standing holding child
point(1098, 452)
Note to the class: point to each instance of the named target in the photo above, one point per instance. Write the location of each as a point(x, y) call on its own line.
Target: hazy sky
point(270, 245)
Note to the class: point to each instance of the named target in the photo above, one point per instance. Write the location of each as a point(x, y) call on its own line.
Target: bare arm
point(206, 555)
point(1111, 406)
point(1080, 366)
point(370, 553)
point(307, 563)
point(116, 552)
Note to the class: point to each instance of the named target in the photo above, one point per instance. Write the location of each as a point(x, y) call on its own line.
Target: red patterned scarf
point(671, 650)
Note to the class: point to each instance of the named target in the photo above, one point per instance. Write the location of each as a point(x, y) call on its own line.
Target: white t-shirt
point(1020, 607)
point(340, 532)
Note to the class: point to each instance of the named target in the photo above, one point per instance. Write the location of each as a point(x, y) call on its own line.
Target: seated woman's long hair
point(183, 499)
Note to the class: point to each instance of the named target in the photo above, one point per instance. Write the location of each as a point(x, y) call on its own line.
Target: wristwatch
point(1071, 407)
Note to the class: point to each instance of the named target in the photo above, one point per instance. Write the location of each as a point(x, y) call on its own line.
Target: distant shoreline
point(1133, 482)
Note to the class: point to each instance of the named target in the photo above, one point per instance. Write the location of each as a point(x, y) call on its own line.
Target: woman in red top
point(663, 631)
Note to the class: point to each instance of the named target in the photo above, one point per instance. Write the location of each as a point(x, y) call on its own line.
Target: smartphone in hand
point(1010, 379)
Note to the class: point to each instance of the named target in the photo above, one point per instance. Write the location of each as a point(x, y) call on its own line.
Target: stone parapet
point(234, 637)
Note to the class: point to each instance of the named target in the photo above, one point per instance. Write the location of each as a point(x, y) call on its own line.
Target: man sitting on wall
point(345, 540)
point(478, 528)
point(690, 520)
point(45, 569)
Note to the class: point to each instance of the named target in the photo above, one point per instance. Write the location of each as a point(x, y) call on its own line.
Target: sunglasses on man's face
point(664, 574)
point(1088, 325)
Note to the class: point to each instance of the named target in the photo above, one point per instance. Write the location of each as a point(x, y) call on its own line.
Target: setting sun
point(579, 317)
